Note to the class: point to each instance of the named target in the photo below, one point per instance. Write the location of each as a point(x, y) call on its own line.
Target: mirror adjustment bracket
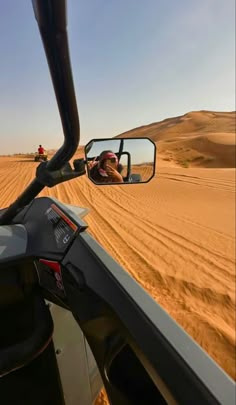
point(52, 178)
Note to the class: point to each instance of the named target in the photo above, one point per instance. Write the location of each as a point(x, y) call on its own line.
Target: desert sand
point(176, 234)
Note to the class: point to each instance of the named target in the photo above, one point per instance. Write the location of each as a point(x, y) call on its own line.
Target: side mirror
point(120, 160)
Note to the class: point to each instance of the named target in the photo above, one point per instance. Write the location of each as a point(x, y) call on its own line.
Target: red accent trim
point(55, 266)
point(66, 219)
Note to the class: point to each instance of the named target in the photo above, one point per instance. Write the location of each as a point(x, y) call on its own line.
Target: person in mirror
point(40, 150)
point(106, 169)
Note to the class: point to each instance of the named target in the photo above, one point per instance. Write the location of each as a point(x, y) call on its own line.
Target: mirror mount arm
point(52, 178)
point(44, 177)
point(121, 147)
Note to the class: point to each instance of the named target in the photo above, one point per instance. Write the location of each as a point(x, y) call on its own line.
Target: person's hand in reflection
point(113, 173)
point(107, 169)
point(92, 163)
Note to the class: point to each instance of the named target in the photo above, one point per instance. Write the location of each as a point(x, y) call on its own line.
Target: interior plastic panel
point(13, 241)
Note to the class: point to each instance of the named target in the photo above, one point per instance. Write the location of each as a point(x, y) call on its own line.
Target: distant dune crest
point(195, 139)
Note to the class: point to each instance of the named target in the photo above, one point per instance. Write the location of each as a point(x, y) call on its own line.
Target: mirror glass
point(120, 160)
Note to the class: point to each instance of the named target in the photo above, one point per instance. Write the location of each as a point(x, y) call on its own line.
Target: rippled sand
point(174, 235)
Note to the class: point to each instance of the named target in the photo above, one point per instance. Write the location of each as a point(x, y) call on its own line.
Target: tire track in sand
point(184, 261)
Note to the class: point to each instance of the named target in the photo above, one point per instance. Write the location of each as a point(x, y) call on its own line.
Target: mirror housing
point(120, 160)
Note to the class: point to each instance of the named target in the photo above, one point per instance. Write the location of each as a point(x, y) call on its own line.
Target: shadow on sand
point(27, 160)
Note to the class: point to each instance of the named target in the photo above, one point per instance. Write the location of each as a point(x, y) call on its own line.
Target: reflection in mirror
point(120, 160)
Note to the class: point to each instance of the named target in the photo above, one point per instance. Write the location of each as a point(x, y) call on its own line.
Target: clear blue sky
point(134, 62)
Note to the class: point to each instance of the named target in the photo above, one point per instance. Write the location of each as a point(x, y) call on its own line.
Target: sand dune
point(196, 139)
point(195, 123)
point(174, 235)
point(176, 238)
point(215, 151)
